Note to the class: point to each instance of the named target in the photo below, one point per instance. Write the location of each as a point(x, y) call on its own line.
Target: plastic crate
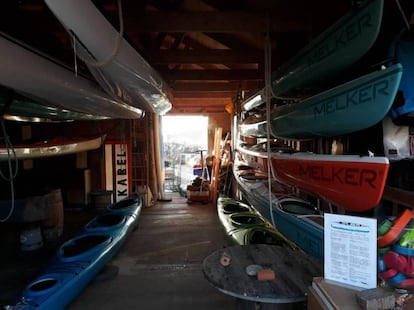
point(197, 195)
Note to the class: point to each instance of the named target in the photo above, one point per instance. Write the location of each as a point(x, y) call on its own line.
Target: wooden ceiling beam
point(204, 94)
point(230, 22)
point(207, 56)
point(172, 22)
point(214, 86)
point(222, 75)
point(202, 101)
point(196, 110)
point(199, 105)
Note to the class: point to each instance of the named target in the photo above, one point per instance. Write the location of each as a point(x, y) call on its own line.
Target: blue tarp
point(402, 49)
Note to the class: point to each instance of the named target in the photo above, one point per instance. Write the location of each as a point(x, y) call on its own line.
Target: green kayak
point(260, 235)
point(243, 225)
point(21, 108)
point(227, 206)
point(353, 106)
point(338, 47)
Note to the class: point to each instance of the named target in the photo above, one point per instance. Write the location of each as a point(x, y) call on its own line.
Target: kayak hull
point(78, 261)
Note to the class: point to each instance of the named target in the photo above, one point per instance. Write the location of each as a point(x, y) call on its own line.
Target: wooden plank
point(215, 175)
point(314, 301)
point(399, 196)
point(335, 296)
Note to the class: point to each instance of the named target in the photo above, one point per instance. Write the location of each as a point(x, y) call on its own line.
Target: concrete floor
point(160, 265)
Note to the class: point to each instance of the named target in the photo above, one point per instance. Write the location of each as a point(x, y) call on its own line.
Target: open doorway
point(185, 142)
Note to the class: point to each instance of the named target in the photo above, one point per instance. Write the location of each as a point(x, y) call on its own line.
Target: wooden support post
point(215, 173)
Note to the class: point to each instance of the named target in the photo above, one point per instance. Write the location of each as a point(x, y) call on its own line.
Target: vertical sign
point(121, 171)
point(117, 169)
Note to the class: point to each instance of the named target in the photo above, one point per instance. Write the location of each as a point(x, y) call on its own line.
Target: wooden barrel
point(54, 216)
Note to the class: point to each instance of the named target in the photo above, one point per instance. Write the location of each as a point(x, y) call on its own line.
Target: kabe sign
point(117, 169)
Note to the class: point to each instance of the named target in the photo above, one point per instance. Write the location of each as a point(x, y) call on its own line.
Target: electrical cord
point(268, 94)
point(11, 155)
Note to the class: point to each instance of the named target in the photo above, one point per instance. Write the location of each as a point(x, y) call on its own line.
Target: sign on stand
point(350, 250)
point(117, 169)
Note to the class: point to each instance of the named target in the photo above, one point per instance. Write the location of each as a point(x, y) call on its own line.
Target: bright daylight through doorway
point(185, 142)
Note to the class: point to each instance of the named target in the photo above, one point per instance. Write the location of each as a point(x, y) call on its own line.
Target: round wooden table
point(294, 272)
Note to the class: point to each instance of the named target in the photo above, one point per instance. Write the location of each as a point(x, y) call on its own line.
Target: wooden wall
point(218, 120)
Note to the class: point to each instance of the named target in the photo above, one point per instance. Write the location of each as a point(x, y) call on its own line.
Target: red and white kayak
point(52, 147)
point(353, 182)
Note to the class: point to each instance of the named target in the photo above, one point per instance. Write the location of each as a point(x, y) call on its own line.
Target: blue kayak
point(128, 206)
point(106, 222)
point(79, 260)
point(296, 219)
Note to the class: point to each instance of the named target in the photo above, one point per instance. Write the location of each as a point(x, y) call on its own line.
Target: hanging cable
point(115, 49)
point(407, 23)
point(75, 60)
point(11, 155)
point(268, 96)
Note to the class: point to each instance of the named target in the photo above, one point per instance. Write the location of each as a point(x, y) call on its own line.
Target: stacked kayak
point(302, 223)
point(79, 260)
point(353, 182)
point(355, 105)
point(314, 94)
point(244, 225)
point(254, 125)
point(126, 75)
point(296, 219)
point(52, 147)
point(331, 52)
point(327, 55)
point(352, 106)
point(58, 93)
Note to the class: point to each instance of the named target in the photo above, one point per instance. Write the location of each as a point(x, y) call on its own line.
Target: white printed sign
point(350, 246)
